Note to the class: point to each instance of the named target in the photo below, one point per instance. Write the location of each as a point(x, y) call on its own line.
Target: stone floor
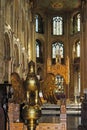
point(72, 121)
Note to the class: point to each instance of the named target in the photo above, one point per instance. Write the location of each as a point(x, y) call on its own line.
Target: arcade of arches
point(28, 34)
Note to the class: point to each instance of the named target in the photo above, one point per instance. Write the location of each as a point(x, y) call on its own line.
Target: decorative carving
point(50, 91)
point(31, 111)
point(17, 84)
point(60, 69)
point(48, 87)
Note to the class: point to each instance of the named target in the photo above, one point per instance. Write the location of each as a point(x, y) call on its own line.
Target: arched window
point(76, 49)
point(78, 22)
point(39, 24)
point(75, 23)
point(57, 52)
point(57, 25)
point(39, 48)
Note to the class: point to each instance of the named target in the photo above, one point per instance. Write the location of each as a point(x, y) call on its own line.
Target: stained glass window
point(57, 52)
point(57, 25)
point(57, 49)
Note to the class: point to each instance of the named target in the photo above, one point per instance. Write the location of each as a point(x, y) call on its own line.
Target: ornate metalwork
point(31, 110)
point(18, 88)
point(51, 90)
point(58, 68)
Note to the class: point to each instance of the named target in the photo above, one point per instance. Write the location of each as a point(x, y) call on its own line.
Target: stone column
point(83, 46)
point(2, 6)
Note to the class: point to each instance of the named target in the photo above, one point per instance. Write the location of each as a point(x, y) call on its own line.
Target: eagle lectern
point(31, 111)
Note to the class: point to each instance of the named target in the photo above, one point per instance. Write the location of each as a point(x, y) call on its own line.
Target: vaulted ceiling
point(58, 5)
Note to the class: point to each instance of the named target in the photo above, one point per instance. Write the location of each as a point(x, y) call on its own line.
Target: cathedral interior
point(43, 67)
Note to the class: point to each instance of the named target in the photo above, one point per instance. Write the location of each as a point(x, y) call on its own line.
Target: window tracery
point(57, 25)
point(57, 52)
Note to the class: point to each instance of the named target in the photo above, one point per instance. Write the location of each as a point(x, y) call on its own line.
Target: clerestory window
point(75, 23)
point(57, 25)
point(38, 24)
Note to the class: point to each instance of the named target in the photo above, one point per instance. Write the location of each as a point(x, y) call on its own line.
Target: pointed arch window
point(75, 23)
point(38, 24)
point(78, 22)
point(57, 52)
point(39, 48)
point(76, 49)
point(57, 25)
